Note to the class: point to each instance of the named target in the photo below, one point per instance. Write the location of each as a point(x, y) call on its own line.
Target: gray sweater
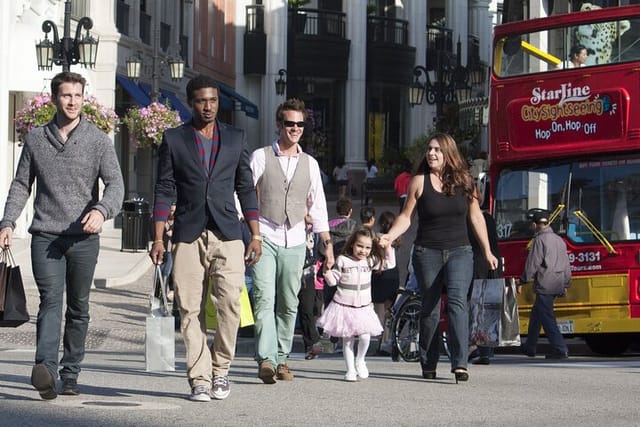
point(66, 175)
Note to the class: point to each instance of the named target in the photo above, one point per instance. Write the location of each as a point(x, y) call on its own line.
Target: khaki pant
point(222, 262)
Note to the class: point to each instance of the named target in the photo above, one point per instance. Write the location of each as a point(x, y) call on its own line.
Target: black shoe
point(429, 375)
point(461, 374)
point(482, 360)
point(70, 387)
point(44, 382)
point(557, 356)
point(527, 352)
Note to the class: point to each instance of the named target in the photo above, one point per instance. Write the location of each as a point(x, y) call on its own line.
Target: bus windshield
point(606, 191)
point(553, 49)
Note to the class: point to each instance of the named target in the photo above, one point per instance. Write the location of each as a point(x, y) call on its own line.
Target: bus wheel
point(608, 344)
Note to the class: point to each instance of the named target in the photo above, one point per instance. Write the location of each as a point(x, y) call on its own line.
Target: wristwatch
point(256, 237)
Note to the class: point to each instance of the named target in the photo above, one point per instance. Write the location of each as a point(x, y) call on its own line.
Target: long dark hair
point(455, 172)
point(377, 251)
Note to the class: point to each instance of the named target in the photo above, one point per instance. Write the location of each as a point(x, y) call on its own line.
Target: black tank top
point(442, 219)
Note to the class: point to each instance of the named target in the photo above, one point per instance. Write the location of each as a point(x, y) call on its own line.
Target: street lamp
point(281, 83)
point(444, 86)
point(68, 51)
point(176, 64)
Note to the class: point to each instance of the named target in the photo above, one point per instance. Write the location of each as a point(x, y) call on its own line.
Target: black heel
point(461, 374)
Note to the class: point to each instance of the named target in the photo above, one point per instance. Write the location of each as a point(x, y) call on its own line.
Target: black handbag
point(13, 311)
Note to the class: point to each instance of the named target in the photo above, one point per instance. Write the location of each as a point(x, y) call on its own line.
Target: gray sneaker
point(220, 389)
point(200, 393)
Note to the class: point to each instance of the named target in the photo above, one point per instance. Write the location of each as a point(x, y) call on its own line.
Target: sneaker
point(284, 374)
point(351, 376)
point(200, 393)
point(43, 381)
point(70, 387)
point(482, 360)
point(361, 369)
point(220, 389)
point(266, 372)
point(314, 351)
point(557, 355)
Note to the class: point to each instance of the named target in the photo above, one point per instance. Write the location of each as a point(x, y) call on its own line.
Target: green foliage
point(147, 124)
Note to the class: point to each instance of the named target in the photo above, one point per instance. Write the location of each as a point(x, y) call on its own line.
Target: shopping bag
point(246, 312)
point(509, 320)
point(159, 351)
point(13, 311)
point(486, 311)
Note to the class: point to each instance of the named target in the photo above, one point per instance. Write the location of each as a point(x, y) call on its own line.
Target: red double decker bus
point(567, 138)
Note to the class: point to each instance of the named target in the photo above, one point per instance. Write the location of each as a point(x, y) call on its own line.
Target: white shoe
point(361, 367)
point(351, 376)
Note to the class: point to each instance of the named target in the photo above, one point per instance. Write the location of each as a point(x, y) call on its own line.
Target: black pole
point(67, 43)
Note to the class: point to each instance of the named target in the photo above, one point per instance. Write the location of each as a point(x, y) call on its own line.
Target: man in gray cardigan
point(66, 157)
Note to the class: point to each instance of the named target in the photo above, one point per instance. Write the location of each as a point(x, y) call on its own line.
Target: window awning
point(249, 108)
point(176, 104)
point(225, 102)
point(133, 90)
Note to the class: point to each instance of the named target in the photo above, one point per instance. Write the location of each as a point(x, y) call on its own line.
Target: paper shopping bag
point(246, 312)
point(13, 312)
point(159, 351)
point(509, 320)
point(486, 311)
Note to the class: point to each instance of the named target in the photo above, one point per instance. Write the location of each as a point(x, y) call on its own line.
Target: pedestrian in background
point(401, 184)
point(549, 269)
point(276, 277)
point(368, 216)
point(350, 314)
point(384, 287)
point(65, 158)
point(310, 296)
point(444, 194)
point(341, 177)
point(207, 232)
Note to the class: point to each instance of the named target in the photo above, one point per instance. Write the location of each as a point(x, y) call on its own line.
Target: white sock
point(347, 352)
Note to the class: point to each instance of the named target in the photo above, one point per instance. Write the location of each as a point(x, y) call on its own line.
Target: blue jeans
point(276, 283)
point(453, 270)
point(542, 315)
point(63, 263)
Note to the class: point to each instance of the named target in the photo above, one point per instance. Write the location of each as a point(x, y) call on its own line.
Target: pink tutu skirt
point(342, 321)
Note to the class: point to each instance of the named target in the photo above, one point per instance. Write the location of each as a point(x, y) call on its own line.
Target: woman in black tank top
point(443, 192)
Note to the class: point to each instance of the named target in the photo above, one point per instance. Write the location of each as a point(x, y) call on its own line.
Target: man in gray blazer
point(201, 165)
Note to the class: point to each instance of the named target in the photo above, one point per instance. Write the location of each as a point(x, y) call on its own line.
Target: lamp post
point(67, 51)
point(176, 65)
point(281, 83)
point(445, 86)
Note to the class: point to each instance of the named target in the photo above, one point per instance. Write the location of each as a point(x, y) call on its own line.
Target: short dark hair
point(575, 50)
point(292, 104)
point(367, 213)
point(66, 77)
point(200, 82)
point(537, 215)
point(344, 206)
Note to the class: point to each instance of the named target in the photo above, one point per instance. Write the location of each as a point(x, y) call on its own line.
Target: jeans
point(62, 263)
point(542, 315)
point(276, 283)
point(309, 308)
point(452, 269)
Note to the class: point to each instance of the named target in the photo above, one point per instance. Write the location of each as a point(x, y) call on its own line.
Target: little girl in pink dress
point(350, 314)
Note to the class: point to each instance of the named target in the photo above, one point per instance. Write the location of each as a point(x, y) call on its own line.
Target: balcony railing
point(439, 46)
point(255, 19)
point(317, 22)
point(387, 30)
point(122, 17)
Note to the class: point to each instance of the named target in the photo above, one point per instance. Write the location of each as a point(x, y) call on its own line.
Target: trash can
point(136, 222)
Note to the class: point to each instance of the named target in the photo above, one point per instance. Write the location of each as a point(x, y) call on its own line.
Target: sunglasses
point(290, 124)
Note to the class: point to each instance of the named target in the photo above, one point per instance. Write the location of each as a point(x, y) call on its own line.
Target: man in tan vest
point(289, 186)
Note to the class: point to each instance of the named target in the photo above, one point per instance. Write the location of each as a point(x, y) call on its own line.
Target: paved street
point(117, 391)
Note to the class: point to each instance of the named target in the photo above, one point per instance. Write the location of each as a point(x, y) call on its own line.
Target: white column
point(420, 116)
point(355, 87)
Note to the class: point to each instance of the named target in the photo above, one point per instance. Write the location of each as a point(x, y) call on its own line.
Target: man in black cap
point(548, 267)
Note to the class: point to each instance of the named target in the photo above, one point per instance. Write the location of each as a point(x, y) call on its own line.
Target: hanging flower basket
point(40, 110)
point(147, 124)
